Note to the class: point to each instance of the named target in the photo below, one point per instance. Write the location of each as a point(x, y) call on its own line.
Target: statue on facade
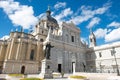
point(47, 50)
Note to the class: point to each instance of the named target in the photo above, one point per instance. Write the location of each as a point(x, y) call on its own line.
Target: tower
point(92, 39)
point(45, 22)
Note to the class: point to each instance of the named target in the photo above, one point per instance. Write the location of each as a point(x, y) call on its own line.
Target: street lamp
point(113, 52)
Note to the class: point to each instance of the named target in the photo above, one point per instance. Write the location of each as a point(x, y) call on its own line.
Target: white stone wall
point(106, 63)
point(65, 52)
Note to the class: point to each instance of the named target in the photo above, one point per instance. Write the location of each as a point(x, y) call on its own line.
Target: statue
point(47, 50)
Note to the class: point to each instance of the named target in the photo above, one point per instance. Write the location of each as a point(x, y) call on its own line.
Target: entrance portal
point(22, 69)
point(59, 68)
point(73, 66)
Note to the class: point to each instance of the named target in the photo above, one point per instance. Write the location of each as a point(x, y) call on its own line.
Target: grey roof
point(48, 17)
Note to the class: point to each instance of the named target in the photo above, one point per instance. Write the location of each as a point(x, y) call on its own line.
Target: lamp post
point(117, 69)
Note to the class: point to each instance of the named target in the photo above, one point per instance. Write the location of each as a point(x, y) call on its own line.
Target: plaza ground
point(90, 76)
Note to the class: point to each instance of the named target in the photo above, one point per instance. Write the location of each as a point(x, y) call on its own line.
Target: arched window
point(41, 40)
point(32, 55)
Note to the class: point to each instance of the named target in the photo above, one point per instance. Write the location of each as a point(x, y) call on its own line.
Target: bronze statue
point(47, 50)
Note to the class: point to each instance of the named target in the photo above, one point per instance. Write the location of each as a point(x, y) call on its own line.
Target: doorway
point(73, 66)
point(22, 69)
point(59, 68)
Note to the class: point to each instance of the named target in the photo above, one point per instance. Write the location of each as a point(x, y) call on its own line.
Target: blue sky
point(102, 16)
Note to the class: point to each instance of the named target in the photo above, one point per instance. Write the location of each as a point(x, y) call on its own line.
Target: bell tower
point(92, 39)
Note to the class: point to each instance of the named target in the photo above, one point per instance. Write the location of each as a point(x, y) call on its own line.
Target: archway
point(22, 69)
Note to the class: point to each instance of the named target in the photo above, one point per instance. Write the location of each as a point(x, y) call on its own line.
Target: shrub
point(15, 75)
point(31, 79)
point(77, 77)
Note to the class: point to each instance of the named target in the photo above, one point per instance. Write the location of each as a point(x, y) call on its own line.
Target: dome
point(49, 19)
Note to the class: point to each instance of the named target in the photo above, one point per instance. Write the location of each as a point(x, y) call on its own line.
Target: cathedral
point(23, 52)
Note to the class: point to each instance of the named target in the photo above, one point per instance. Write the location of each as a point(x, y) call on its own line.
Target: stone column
point(38, 51)
point(2, 52)
point(28, 50)
point(18, 54)
point(11, 48)
point(7, 52)
point(73, 68)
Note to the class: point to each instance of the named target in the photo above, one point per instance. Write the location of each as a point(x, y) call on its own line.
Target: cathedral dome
point(51, 22)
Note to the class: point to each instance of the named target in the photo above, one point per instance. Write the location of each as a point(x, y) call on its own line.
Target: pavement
point(90, 76)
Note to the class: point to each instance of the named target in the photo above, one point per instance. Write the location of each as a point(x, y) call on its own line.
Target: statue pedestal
point(46, 69)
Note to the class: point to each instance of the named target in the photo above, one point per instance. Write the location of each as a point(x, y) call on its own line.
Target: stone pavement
point(90, 76)
point(96, 76)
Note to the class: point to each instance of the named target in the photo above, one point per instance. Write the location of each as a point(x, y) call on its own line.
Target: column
point(73, 67)
point(28, 50)
point(1, 52)
point(11, 47)
point(8, 50)
point(1, 49)
point(18, 54)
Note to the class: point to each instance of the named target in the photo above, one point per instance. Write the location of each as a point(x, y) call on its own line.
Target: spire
point(48, 8)
point(22, 30)
point(48, 12)
point(92, 38)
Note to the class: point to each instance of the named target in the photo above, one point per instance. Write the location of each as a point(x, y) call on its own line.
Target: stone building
point(22, 52)
point(104, 58)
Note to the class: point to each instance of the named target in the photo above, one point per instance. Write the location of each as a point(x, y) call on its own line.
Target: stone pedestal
point(46, 69)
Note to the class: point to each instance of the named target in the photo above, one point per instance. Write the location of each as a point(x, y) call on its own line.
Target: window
point(90, 40)
point(41, 40)
point(18, 36)
point(32, 55)
point(72, 38)
point(42, 31)
point(100, 55)
point(111, 52)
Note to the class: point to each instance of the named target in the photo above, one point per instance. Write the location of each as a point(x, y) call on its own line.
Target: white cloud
point(100, 33)
point(9, 6)
point(108, 34)
point(93, 22)
point(4, 37)
point(59, 5)
point(87, 13)
point(114, 24)
point(41, 15)
point(113, 35)
point(79, 19)
point(20, 15)
point(64, 13)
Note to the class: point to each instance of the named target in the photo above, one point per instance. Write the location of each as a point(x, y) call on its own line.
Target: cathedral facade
point(22, 52)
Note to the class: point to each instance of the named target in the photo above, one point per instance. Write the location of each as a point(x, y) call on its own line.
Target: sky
point(102, 16)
